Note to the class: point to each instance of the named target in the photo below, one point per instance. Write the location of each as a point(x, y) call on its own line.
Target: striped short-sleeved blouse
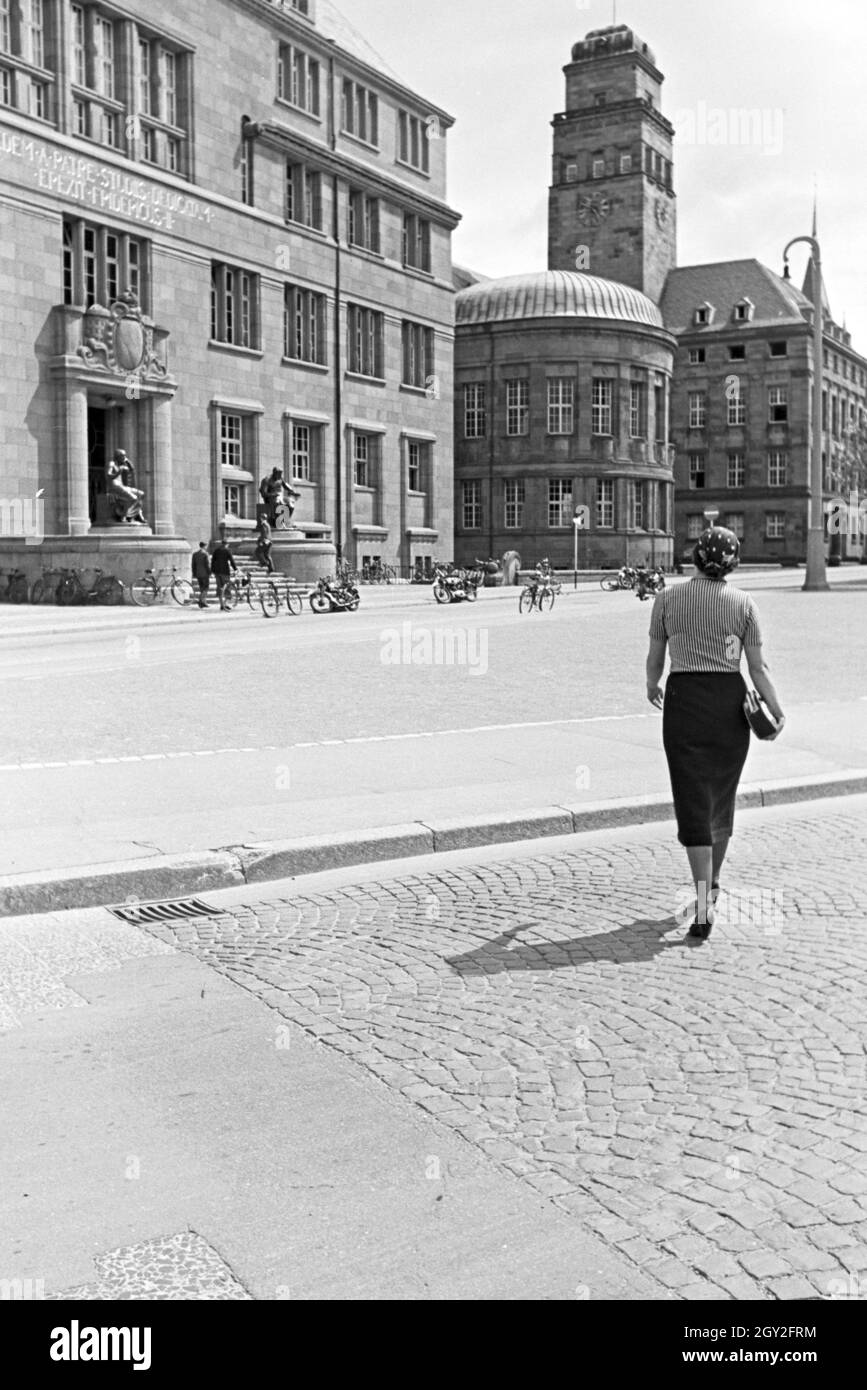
point(706, 625)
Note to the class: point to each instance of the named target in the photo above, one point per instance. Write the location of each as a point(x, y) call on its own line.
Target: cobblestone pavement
point(701, 1108)
point(177, 1267)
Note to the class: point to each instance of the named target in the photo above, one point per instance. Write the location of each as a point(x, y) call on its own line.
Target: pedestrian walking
point(202, 572)
point(222, 566)
point(706, 627)
point(264, 543)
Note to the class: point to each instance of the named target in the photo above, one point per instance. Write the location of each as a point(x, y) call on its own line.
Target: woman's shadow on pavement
point(635, 941)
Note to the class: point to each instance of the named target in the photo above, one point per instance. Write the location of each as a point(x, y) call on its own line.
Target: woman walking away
point(706, 626)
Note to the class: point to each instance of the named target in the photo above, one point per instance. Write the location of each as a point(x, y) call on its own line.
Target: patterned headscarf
point(717, 551)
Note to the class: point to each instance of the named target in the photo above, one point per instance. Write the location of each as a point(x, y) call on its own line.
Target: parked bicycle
point(146, 591)
point(73, 588)
point(17, 588)
point(243, 588)
point(46, 588)
point(540, 590)
point(284, 594)
point(345, 574)
point(624, 579)
point(375, 572)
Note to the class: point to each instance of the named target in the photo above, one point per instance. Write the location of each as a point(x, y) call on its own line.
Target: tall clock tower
point(612, 208)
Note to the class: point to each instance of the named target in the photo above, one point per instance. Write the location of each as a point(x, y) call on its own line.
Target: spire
point(809, 288)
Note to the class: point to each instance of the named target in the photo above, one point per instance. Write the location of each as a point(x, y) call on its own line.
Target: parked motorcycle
point(334, 596)
point(648, 582)
point(452, 586)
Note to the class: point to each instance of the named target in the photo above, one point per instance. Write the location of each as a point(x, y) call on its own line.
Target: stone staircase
point(259, 575)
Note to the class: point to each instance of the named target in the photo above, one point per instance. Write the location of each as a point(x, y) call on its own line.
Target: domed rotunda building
point(562, 391)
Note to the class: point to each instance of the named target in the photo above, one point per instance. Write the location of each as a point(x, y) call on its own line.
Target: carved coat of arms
point(120, 340)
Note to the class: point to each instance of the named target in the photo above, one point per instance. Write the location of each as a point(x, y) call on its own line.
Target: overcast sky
point(799, 65)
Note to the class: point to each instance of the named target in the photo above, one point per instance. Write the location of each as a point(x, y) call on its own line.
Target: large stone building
point(563, 378)
point(562, 385)
point(740, 419)
point(226, 248)
point(742, 410)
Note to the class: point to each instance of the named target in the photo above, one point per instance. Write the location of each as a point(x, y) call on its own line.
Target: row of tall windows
point(776, 475)
point(101, 264)
point(304, 459)
point(28, 47)
point(129, 85)
point(647, 504)
point(736, 405)
point(845, 415)
point(561, 407)
point(774, 525)
point(300, 81)
point(303, 205)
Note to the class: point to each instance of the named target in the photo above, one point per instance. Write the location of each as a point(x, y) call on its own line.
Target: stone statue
point(126, 497)
point(279, 499)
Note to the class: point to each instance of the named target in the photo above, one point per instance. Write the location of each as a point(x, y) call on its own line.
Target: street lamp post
point(579, 521)
point(816, 578)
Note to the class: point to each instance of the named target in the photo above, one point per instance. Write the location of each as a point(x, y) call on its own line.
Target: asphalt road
point(225, 729)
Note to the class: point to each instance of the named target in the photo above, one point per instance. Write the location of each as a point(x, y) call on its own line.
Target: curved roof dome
point(554, 294)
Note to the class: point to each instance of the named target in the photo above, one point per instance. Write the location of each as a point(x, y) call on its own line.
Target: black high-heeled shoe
point(712, 897)
point(700, 931)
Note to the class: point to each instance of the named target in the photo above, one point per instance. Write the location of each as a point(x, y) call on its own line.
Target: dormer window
point(704, 314)
point(744, 310)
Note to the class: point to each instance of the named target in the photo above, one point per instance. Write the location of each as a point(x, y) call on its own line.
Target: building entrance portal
point(97, 457)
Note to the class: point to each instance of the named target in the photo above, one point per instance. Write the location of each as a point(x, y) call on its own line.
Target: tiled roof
point(723, 284)
point(554, 294)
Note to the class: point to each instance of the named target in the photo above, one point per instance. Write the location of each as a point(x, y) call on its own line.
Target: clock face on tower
point(661, 211)
point(593, 208)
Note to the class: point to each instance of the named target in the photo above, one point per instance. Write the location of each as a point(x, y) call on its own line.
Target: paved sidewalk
point(699, 1112)
point(22, 622)
point(701, 1109)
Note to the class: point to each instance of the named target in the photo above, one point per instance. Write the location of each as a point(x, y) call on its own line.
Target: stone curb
point(185, 875)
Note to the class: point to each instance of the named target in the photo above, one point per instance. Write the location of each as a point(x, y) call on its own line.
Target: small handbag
point(759, 717)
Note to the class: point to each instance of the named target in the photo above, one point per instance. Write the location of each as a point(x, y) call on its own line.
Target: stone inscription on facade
point(100, 187)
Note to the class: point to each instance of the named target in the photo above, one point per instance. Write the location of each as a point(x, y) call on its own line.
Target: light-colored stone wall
point(537, 350)
point(235, 44)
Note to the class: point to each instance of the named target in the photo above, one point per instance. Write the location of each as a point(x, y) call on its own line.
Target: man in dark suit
point(202, 572)
point(222, 566)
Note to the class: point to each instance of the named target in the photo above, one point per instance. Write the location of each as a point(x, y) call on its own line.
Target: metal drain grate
point(136, 913)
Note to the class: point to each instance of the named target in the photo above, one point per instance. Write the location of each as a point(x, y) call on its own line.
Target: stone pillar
point(77, 507)
point(161, 434)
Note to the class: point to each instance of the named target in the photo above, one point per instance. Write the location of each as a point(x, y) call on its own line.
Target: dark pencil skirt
point(706, 739)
